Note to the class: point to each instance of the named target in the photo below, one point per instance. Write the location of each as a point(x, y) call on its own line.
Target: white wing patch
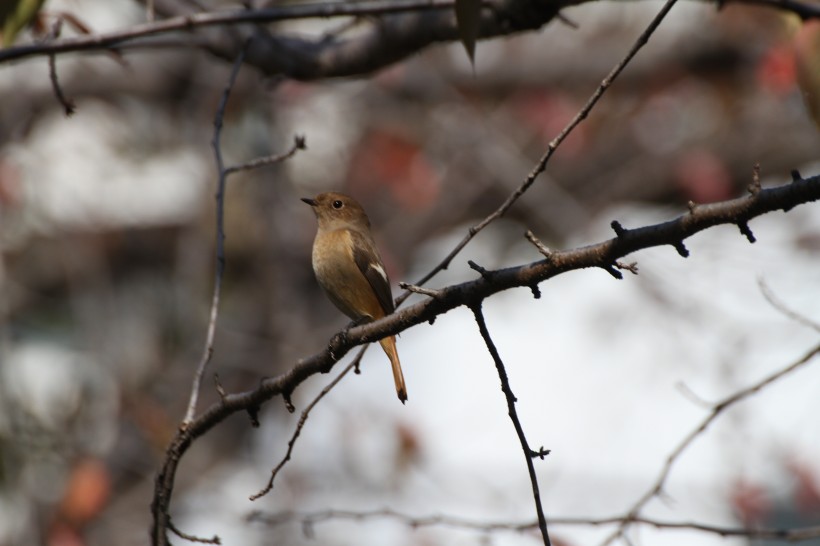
point(380, 270)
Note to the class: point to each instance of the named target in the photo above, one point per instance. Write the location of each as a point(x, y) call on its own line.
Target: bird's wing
point(364, 250)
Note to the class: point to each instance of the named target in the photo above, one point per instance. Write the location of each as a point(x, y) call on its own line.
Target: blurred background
point(107, 257)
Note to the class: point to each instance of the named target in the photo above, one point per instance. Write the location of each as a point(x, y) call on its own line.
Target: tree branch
point(715, 412)
point(602, 254)
point(529, 454)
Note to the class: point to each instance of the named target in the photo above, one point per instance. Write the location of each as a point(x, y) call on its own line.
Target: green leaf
point(15, 16)
point(468, 18)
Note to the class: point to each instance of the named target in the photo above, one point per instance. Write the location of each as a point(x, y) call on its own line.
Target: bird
point(349, 268)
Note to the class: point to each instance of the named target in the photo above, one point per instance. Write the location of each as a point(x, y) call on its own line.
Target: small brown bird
point(350, 270)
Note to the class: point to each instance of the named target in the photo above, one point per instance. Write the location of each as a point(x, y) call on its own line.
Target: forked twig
point(551, 147)
point(220, 239)
point(716, 410)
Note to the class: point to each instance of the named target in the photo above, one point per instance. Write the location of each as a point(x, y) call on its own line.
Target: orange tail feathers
point(389, 346)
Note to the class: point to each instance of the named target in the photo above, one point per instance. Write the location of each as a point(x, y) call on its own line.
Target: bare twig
point(414, 522)
point(552, 147)
point(224, 172)
point(303, 419)
point(298, 144)
point(529, 453)
point(716, 410)
point(221, 18)
point(419, 290)
point(220, 242)
point(192, 538)
point(780, 306)
point(542, 248)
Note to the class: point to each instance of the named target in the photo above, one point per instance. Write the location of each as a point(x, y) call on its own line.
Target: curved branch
point(602, 255)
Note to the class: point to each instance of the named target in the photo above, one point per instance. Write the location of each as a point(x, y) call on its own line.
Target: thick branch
point(604, 254)
point(404, 28)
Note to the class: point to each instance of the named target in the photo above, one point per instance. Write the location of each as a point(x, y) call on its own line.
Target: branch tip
point(288, 402)
point(744, 229)
point(619, 230)
point(420, 290)
point(542, 248)
point(612, 271)
point(192, 538)
point(253, 415)
point(481, 271)
point(567, 21)
point(219, 389)
point(541, 453)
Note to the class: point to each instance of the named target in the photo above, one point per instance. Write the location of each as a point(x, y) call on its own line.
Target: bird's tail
point(389, 346)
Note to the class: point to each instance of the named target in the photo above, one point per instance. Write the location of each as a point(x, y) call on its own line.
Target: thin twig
point(542, 248)
point(716, 410)
point(419, 290)
point(298, 144)
point(552, 147)
point(529, 454)
point(780, 306)
point(220, 240)
point(321, 10)
point(192, 538)
point(68, 105)
point(303, 419)
point(414, 522)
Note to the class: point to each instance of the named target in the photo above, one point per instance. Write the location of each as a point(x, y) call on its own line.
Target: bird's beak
point(311, 202)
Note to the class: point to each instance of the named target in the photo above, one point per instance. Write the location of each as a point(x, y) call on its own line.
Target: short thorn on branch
point(542, 248)
point(420, 290)
point(288, 402)
point(541, 453)
point(691, 205)
point(481, 271)
point(796, 176)
point(253, 415)
point(612, 271)
point(754, 187)
point(681, 248)
point(220, 390)
point(744, 229)
point(536, 292)
point(619, 230)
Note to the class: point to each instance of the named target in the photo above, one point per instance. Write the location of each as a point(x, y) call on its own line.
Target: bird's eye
point(337, 204)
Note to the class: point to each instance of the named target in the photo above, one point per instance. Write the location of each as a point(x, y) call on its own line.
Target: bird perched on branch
point(350, 270)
